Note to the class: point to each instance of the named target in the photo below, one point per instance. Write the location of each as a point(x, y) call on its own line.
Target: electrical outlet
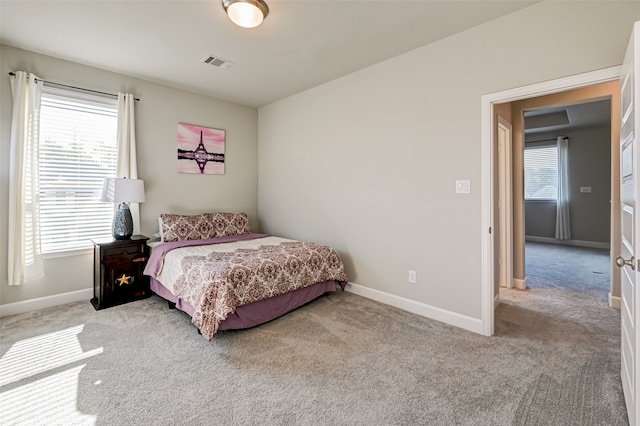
point(412, 277)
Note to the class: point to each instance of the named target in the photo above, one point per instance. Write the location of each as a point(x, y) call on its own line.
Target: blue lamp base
point(122, 223)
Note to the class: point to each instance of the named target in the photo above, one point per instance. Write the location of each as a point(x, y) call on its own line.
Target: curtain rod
point(75, 87)
point(547, 140)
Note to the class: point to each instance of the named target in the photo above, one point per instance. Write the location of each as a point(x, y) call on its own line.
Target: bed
point(225, 277)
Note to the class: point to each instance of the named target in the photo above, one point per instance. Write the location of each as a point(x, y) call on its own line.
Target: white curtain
point(25, 256)
point(563, 230)
point(127, 162)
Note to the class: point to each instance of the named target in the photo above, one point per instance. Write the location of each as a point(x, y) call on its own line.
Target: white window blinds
point(78, 149)
point(541, 173)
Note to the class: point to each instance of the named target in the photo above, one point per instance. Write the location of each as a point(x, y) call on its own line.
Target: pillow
point(176, 227)
point(230, 224)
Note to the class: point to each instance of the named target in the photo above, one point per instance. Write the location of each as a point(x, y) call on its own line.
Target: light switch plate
point(463, 187)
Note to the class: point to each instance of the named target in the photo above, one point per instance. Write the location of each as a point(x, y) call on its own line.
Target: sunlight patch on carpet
point(51, 399)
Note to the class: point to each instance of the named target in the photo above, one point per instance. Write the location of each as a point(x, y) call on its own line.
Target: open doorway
point(602, 84)
point(584, 324)
point(565, 307)
point(583, 115)
point(567, 197)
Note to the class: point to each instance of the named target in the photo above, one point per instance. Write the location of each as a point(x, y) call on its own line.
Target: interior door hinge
point(489, 229)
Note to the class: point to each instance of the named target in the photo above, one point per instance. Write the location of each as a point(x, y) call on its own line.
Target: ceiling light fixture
point(246, 13)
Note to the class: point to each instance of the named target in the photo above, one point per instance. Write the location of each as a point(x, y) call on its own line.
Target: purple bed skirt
point(256, 313)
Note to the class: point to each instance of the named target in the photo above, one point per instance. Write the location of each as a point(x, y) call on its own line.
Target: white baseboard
point(614, 302)
point(45, 302)
point(496, 301)
point(520, 284)
point(575, 243)
point(419, 308)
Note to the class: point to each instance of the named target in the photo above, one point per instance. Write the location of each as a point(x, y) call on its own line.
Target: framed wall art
point(200, 150)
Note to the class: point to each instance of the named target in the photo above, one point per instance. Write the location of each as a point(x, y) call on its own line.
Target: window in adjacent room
point(541, 173)
point(78, 149)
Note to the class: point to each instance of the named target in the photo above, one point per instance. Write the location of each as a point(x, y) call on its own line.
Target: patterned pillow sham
point(176, 227)
point(230, 224)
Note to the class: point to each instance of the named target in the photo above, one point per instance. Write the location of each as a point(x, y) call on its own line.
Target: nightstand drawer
point(137, 249)
point(129, 258)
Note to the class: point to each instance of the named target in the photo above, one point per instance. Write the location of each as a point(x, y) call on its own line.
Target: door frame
point(505, 206)
point(488, 134)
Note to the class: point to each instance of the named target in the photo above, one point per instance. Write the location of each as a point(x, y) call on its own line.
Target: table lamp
point(123, 191)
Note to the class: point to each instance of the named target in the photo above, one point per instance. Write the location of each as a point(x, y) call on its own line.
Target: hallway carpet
point(565, 310)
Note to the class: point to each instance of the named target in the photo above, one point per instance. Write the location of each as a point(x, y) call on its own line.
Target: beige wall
point(157, 114)
point(368, 162)
point(600, 91)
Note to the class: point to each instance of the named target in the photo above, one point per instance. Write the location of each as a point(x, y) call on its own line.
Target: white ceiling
point(301, 44)
point(571, 117)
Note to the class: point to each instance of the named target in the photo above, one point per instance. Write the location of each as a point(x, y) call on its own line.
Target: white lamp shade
point(121, 190)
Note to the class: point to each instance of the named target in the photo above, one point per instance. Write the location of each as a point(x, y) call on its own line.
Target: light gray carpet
point(565, 314)
point(340, 360)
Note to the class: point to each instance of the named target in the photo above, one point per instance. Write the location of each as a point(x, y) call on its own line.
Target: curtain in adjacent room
point(563, 230)
point(127, 161)
point(25, 255)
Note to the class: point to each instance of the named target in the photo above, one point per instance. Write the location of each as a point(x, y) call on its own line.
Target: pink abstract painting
point(200, 150)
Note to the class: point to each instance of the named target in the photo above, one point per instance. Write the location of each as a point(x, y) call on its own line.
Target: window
point(541, 173)
point(78, 149)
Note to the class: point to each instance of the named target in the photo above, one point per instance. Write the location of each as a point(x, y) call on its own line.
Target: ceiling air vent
point(217, 61)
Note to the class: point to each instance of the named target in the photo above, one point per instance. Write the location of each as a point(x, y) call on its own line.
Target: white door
point(505, 210)
point(630, 225)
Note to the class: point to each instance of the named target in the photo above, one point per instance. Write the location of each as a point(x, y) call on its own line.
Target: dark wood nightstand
point(117, 271)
